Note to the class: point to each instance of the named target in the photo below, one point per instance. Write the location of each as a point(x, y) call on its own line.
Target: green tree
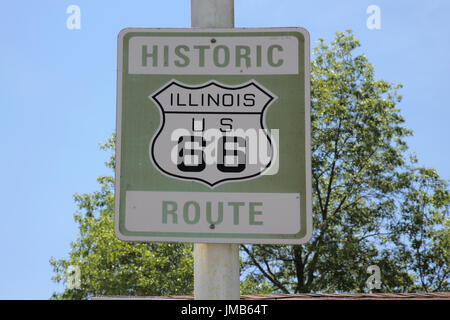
point(422, 233)
point(108, 266)
point(371, 205)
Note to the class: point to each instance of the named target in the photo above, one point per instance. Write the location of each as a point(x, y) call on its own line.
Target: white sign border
point(308, 195)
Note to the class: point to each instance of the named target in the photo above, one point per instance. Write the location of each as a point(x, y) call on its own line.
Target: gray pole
point(212, 13)
point(216, 265)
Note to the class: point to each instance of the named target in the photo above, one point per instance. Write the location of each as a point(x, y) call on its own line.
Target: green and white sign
point(213, 136)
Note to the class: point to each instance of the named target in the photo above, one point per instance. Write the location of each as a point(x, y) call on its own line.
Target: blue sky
point(58, 92)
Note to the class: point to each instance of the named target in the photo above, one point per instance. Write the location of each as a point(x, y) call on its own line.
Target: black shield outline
point(153, 96)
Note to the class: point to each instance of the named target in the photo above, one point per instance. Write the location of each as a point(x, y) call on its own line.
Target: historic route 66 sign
point(213, 141)
point(212, 132)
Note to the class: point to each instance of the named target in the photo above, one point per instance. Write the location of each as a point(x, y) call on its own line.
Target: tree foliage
point(372, 205)
point(109, 266)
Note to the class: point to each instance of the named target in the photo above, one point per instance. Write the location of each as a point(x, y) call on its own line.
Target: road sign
point(213, 136)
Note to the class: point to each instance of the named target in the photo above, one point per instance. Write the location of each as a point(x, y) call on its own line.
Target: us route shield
point(212, 132)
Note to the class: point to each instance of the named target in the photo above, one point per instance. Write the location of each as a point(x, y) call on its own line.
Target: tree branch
point(272, 279)
point(333, 166)
point(299, 269)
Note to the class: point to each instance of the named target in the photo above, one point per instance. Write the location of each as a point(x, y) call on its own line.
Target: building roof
point(309, 296)
point(352, 296)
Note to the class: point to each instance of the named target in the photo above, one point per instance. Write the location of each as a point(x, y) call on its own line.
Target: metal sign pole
point(216, 265)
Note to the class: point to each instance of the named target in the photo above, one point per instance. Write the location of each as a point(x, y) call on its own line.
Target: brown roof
point(351, 296)
point(311, 296)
